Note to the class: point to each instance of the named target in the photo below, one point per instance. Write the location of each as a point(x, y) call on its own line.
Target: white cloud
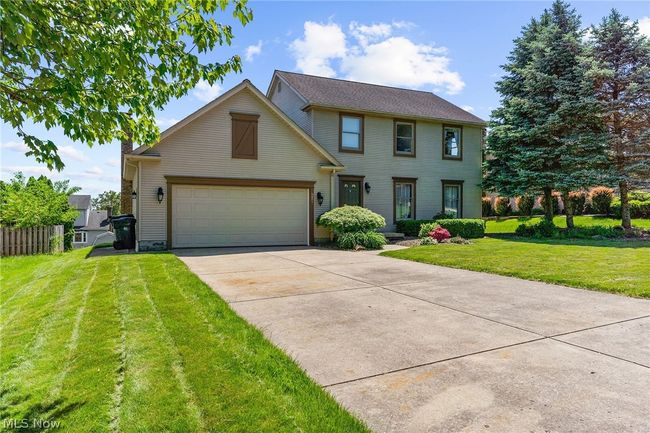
point(468, 108)
point(30, 170)
point(206, 92)
point(113, 162)
point(72, 153)
point(166, 122)
point(377, 56)
point(320, 44)
point(253, 50)
point(95, 171)
point(644, 26)
point(16, 146)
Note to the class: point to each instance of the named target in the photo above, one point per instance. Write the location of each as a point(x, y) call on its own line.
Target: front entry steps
point(392, 236)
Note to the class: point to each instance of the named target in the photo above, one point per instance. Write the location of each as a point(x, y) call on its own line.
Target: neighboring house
point(91, 226)
point(255, 169)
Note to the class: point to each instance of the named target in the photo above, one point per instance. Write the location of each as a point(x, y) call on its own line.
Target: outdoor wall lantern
point(319, 197)
point(161, 194)
point(134, 195)
point(367, 187)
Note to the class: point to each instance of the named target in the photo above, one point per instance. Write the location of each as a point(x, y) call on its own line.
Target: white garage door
point(226, 216)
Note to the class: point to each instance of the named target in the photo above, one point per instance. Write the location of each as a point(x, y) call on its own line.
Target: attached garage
point(208, 212)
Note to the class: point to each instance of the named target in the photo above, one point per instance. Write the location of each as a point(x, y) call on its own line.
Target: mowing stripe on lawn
point(91, 367)
point(152, 399)
point(177, 366)
point(254, 382)
point(32, 335)
point(118, 389)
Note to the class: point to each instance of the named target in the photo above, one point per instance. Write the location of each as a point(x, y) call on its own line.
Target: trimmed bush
point(555, 197)
point(486, 206)
point(525, 204)
point(439, 234)
point(349, 219)
point(467, 228)
point(591, 231)
point(354, 240)
point(410, 227)
point(502, 206)
point(543, 229)
point(426, 228)
point(577, 200)
point(428, 241)
point(639, 195)
point(638, 208)
point(444, 215)
point(601, 199)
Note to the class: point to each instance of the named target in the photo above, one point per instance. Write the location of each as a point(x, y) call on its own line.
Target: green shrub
point(577, 200)
point(354, 240)
point(426, 228)
point(502, 206)
point(428, 241)
point(486, 206)
point(543, 229)
point(348, 219)
point(591, 231)
point(459, 240)
point(525, 204)
point(638, 208)
point(601, 199)
point(555, 200)
point(444, 215)
point(466, 228)
point(410, 227)
point(639, 195)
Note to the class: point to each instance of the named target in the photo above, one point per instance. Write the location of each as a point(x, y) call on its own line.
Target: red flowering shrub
point(439, 234)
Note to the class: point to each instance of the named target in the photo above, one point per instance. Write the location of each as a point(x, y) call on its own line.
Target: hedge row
point(466, 228)
point(638, 208)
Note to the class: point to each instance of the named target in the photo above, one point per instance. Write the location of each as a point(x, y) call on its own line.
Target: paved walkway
point(411, 347)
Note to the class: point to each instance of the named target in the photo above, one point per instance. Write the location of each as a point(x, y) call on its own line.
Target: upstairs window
point(244, 135)
point(351, 133)
point(404, 140)
point(452, 142)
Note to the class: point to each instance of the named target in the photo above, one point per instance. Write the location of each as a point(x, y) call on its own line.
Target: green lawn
point(509, 225)
point(138, 343)
point(612, 266)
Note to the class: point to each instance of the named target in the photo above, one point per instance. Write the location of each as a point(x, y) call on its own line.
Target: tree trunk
point(568, 210)
point(548, 204)
point(626, 221)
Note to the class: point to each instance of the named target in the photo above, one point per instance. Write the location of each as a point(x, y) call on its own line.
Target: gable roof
point(79, 201)
point(354, 96)
point(97, 220)
point(246, 84)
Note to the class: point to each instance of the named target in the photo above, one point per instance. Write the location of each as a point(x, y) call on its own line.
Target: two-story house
point(255, 169)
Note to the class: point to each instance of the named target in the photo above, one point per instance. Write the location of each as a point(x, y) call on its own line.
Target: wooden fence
point(31, 240)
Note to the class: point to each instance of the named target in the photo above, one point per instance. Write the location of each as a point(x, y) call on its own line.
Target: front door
point(350, 191)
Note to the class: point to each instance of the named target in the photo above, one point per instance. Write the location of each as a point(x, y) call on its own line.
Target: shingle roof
point(97, 220)
point(352, 95)
point(79, 201)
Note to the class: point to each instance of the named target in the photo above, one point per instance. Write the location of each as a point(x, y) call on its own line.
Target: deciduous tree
point(99, 68)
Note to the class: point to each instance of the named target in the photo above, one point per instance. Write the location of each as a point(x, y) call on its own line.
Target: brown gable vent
point(244, 135)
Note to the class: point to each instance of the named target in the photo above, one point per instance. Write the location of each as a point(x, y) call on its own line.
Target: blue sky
point(451, 48)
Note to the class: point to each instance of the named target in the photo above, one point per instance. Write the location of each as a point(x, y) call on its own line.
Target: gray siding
point(379, 165)
point(290, 103)
point(203, 148)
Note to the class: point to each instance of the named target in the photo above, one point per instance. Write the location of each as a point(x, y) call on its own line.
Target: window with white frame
point(452, 141)
point(80, 237)
point(351, 139)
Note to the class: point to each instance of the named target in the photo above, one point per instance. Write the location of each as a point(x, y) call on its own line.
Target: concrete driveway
point(410, 347)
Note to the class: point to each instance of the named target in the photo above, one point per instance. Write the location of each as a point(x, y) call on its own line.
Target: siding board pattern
point(203, 148)
point(379, 165)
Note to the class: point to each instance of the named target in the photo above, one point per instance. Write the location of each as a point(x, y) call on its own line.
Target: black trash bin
point(124, 229)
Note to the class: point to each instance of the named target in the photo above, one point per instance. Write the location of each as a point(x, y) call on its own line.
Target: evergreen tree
point(621, 71)
point(546, 134)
